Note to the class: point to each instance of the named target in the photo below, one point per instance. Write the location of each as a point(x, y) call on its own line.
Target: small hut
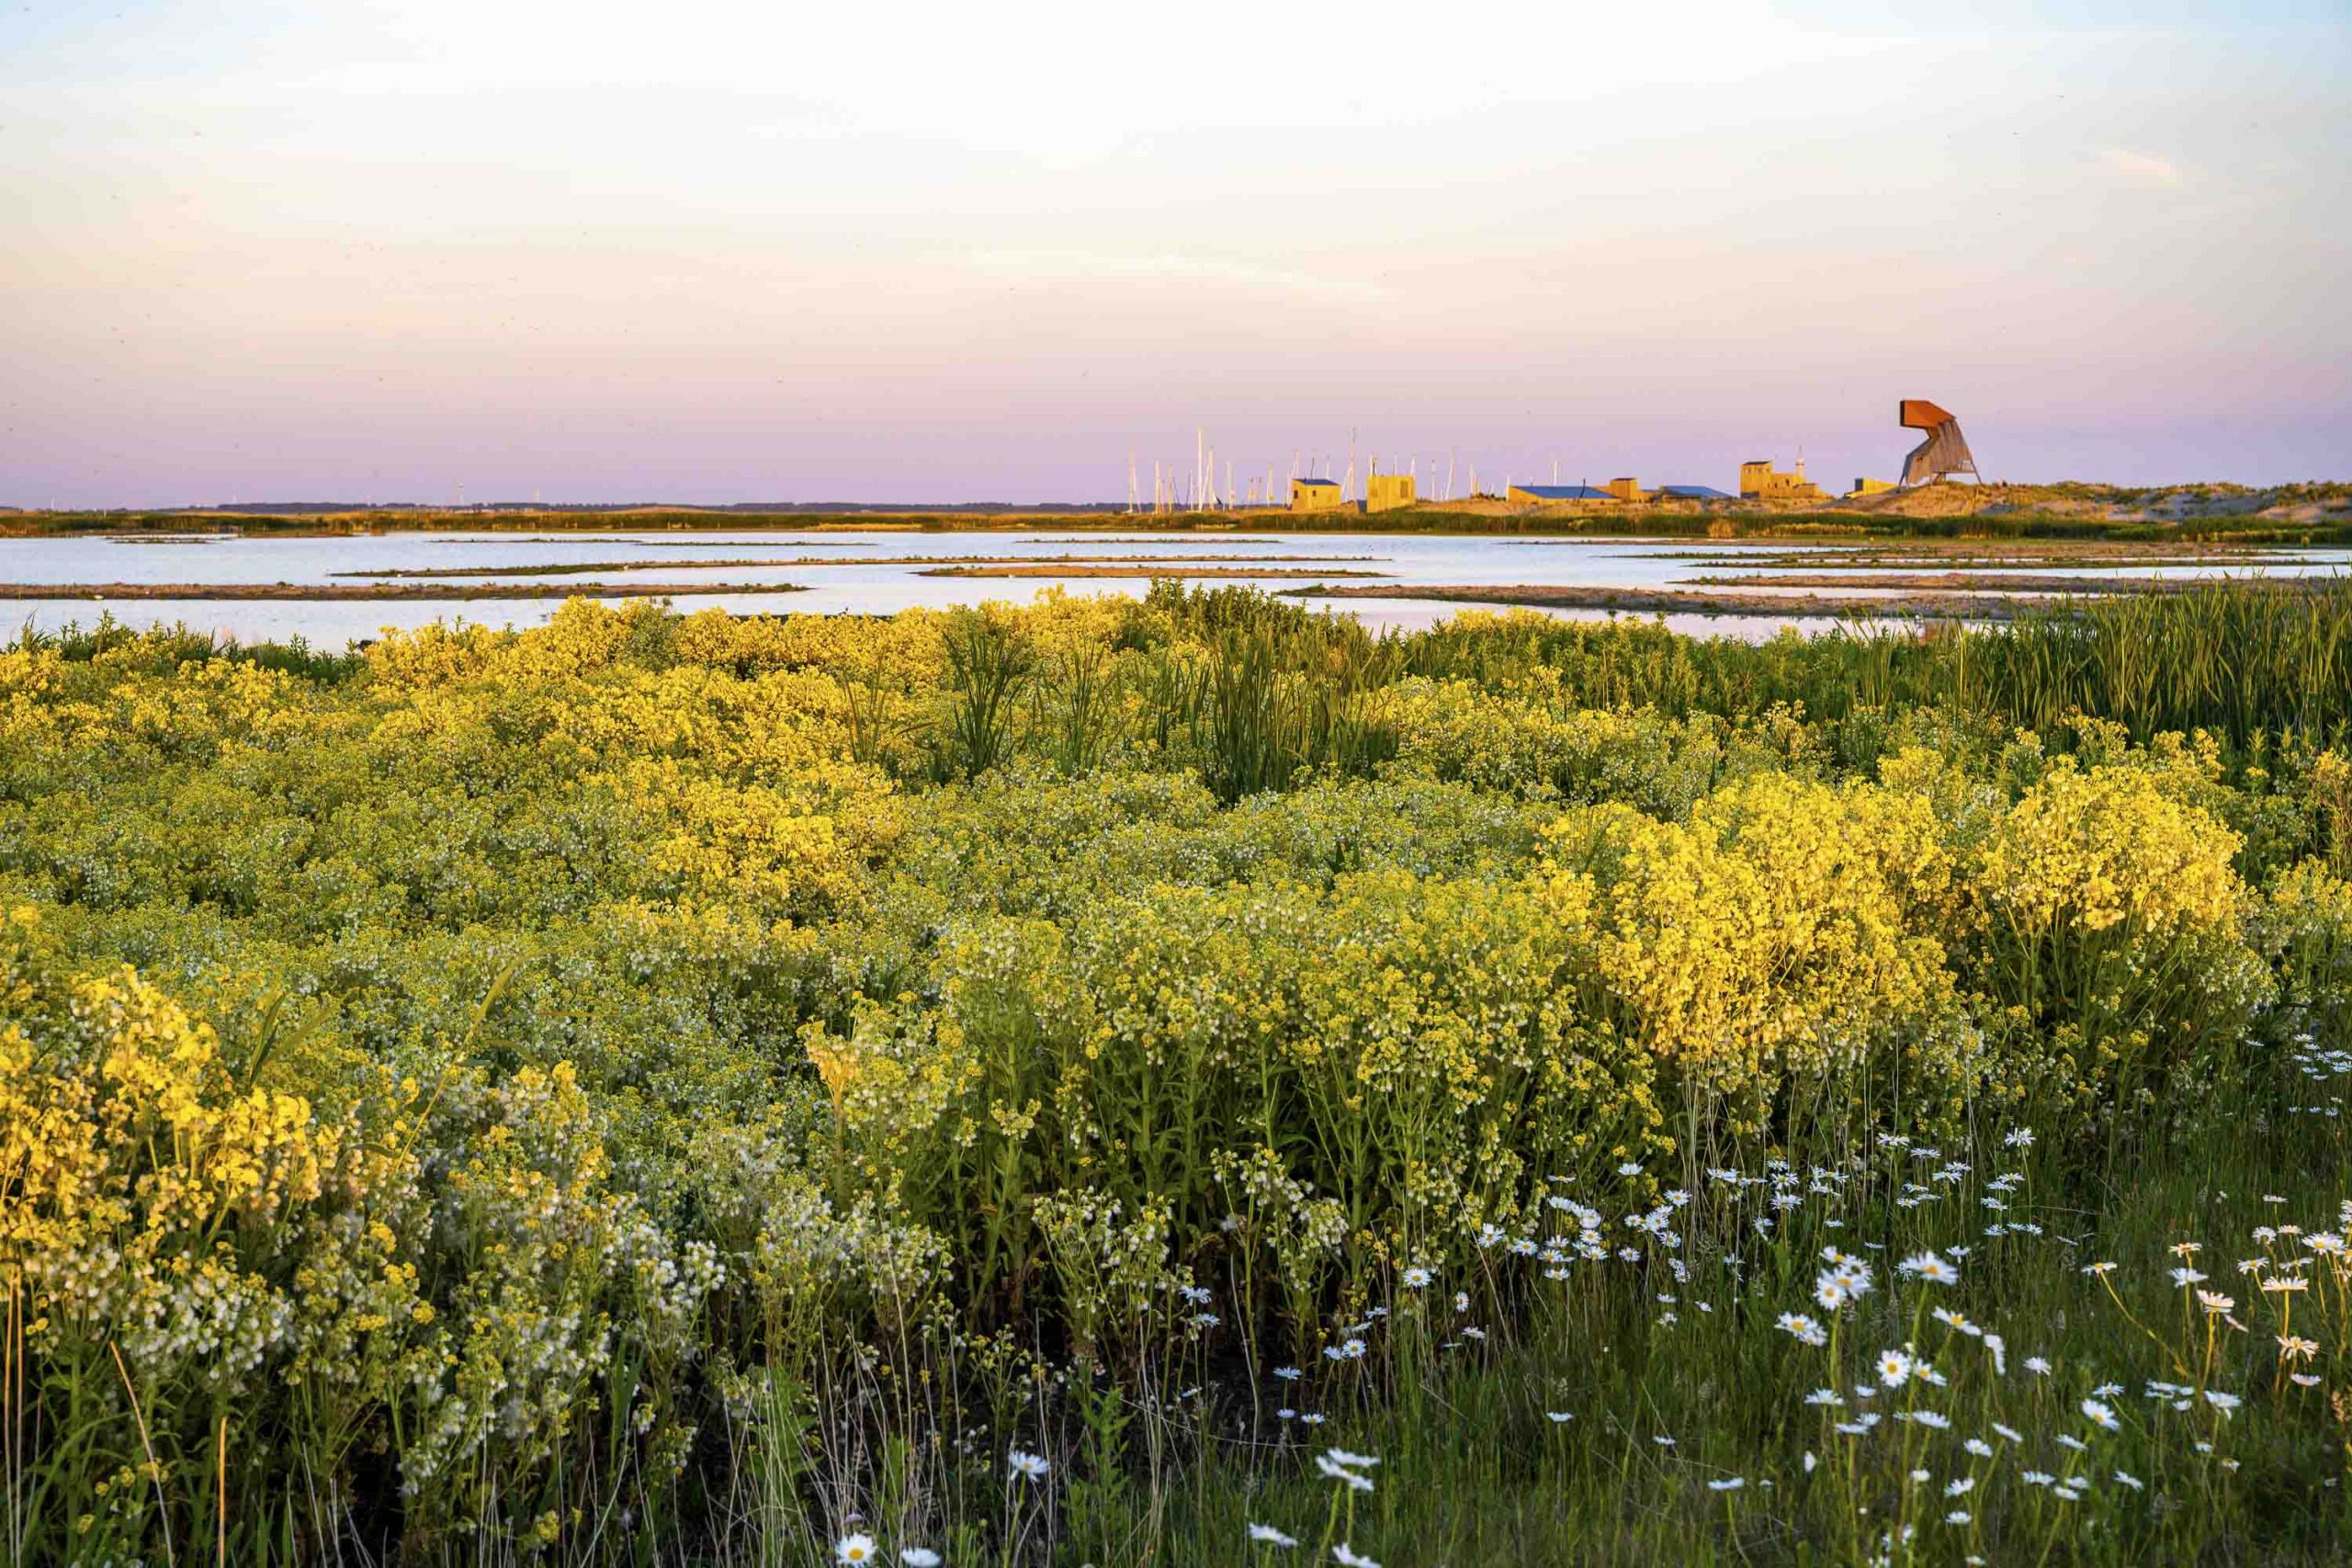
point(1314, 495)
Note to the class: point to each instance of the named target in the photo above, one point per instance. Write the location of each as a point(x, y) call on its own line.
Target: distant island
point(2309, 513)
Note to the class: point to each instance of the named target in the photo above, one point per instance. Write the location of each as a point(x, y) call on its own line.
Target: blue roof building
point(1559, 492)
point(1315, 495)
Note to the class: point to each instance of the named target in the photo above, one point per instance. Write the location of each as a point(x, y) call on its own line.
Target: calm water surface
point(862, 571)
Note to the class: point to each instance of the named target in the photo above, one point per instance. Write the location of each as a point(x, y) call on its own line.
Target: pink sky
point(592, 252)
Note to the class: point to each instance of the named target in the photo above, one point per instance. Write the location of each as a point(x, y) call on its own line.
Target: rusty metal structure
point(1945, 451)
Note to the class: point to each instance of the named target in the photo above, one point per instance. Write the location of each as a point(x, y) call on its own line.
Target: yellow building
point(1627, 488)
point(1869, 486)
point(1384, 492)
point(1314, 495)
point(1758, 480)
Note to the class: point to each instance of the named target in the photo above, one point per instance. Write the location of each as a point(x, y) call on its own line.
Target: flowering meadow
point(1179, 1081)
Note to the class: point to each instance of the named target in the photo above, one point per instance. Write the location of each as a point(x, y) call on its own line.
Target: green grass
point(164, 648)
point(1474, 1468)
point(2244, 660)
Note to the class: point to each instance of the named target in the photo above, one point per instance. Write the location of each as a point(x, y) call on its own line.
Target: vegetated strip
point(308, 591)
point(1925, 551)
point(1984, 582)
point(554, 569)
point(1170, 535)
point(560, 570)
point(1668, 601)
point(1116, 562)
point(620, 536)
point(1758, 557)
point(2301, 514)
point(1033, 567)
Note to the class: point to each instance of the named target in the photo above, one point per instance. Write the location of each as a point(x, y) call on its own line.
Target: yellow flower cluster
point(1786, 932)
point(2107, 847)
point(134, 1170)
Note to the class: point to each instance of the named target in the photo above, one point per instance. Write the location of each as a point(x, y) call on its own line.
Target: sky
point(706, 252)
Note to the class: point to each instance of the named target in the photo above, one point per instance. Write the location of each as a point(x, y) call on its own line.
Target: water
point(861, 572)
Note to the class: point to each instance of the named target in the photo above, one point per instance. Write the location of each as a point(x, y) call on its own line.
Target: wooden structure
point(1385, 492)
point(1315, 495)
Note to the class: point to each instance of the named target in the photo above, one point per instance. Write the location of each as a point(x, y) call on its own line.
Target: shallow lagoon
point(868, 571)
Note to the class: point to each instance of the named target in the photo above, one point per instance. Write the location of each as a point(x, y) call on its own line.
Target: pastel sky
point(709, 252)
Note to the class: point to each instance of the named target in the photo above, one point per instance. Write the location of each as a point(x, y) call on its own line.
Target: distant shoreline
point(976, 562)
point(1117, 570)
point(2284, 515)
point(429, 593)
point(1674, 601)
point(1968, 582)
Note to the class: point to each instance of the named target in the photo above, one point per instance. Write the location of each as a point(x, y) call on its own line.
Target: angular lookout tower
point(1945, 451)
